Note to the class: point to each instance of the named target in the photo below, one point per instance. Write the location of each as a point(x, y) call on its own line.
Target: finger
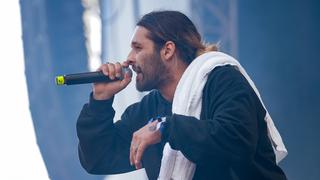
point(131, 154)
point(104, 68)
point(138, 155)
point(125, 64)
point(118, 69)
point(133, 148)
point(126, 80)
point(112, 70)
point(138, 165)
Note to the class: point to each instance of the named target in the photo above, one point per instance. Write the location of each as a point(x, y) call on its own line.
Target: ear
point(168, 51)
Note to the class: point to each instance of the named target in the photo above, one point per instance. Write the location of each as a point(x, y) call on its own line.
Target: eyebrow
point(135, 43)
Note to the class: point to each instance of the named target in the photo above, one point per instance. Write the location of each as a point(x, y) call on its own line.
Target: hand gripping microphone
point(88, 77)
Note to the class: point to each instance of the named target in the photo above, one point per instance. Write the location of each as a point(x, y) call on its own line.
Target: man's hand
point(141, 139)
point(103, 91)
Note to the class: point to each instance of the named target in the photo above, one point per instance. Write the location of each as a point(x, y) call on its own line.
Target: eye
point(138, 48)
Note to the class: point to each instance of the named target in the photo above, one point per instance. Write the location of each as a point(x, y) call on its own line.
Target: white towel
point(187, 101)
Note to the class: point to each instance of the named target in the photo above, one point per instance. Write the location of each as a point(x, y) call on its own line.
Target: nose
point(131, 58)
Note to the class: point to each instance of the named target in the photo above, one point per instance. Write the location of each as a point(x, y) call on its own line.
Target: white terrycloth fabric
point(187, 101)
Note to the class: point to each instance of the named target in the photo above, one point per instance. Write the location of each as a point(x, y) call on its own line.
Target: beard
point(151, 74)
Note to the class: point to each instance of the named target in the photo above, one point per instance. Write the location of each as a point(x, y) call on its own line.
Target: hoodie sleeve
point(103, 145)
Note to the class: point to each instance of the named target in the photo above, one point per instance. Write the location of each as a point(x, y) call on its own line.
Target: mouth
point(138, 71)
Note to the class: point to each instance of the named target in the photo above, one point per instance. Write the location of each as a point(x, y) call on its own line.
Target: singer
point(202, 119)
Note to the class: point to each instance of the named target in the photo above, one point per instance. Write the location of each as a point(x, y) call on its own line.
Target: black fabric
point(229, 141)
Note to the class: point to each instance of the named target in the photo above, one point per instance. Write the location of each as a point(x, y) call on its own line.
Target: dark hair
point(176, 27)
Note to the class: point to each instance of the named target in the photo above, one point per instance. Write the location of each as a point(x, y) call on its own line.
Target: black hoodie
point(230, 141)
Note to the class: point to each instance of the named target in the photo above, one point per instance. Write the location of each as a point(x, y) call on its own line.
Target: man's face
point(146, 61)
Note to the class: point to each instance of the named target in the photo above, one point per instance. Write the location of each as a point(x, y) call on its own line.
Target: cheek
point(139, 58)
point(143, 59)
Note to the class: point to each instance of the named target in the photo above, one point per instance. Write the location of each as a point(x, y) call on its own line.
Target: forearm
point(99, 140)
point(200, 140)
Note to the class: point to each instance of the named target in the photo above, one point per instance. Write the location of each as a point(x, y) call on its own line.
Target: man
point(227, 139)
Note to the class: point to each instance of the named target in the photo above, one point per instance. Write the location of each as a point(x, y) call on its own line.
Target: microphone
point(88, 77)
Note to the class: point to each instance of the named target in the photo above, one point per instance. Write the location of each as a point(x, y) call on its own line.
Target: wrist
point(161, 127)
point(161, 124)
point(101, 96)
point(97, 105)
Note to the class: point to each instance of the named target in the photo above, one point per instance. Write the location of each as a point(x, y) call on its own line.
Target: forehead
point(140, 36)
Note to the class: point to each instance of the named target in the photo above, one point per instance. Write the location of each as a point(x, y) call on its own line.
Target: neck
point(168, 89)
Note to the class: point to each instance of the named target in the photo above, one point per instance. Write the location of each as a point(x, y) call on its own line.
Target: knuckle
point(136, 134)
point(109, 64)
point(134, 138)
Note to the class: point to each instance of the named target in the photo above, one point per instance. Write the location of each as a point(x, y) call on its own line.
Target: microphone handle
point(87, 77)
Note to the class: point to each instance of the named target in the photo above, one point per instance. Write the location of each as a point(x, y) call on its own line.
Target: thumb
point(126, 80)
